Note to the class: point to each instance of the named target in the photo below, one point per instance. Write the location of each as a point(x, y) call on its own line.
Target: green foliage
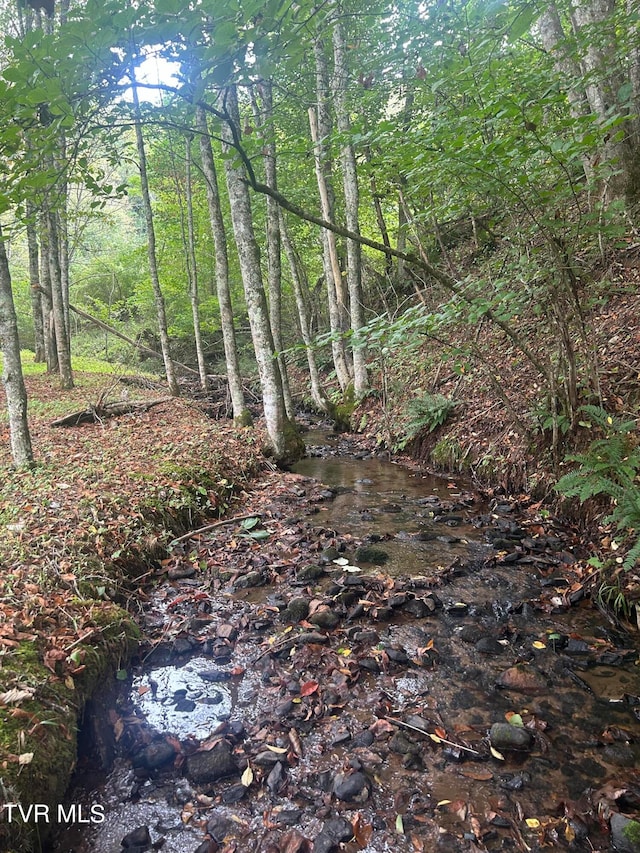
point(609, 468)
point(427, 412)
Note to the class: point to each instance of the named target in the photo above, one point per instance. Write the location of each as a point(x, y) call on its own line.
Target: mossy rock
point(371, 554)
point(43, 735)
point(244, 419)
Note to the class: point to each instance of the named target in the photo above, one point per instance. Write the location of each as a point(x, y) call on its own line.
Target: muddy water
point(405, 697)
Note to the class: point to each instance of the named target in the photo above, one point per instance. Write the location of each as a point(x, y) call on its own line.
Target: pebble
point(353, 787)
point(506, 736)
point(208, 766)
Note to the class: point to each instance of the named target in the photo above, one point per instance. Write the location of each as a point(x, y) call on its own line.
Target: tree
point(283, 436)
point(12, 368)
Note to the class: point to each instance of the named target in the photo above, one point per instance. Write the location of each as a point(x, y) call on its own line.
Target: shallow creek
point(377, 731)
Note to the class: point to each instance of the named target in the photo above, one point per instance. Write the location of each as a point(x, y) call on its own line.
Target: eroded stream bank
point(373, 659)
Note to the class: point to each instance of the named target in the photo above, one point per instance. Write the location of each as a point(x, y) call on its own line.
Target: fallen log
point(102, 411)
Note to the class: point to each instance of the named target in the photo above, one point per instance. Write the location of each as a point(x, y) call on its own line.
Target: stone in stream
point(249, 580)
point(521, 678)
point(219, 826)
point(157, 754)
point(419, 607)
point(625, 834)
point(504, 736)
point(309, 573)
point(297, 610)
point(138, 839)
point(364, 738)
point(352, 787)
point(177, 573)
point(333, 832)
point(210, 765)
point(371, 554)
point(214, 675)
point(276, 778)
point(489, 646)
point(327, 620)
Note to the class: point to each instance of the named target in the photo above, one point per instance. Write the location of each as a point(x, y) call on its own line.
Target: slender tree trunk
point(63, 346)
point(285, 442)
point(151, 246)
point(274, 263)
point(48, 326)
point(352, 204)
point(234, 377)
point(34, 285)
point(320, 127)
point(12, 369)
point(193, 268)
point(301, 290)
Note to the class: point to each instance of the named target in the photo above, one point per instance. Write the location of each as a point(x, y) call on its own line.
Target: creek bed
point(382, 720)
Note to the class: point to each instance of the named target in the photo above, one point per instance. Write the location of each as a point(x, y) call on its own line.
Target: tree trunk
point(12, 369)
point(301, 290)
point(151, 245)
point(234, 377)
point(351, 204)
point(193, 269)
point(320, 127)
point(285, 442)
point(63, 346)
point(48, 326)
point(274, 263)
point(34, 285)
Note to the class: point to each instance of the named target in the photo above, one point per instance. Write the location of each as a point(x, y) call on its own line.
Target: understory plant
point(609, 468)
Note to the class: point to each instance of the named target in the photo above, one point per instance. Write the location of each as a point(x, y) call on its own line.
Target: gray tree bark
point(320, 127)
point(274, 262)
point(301, 290)
point(12, 378)
point(63, 345)
point(192, 268)
point(282, 434)
point(351, 204)
point(151, 245)
point(34, 285)
point(222, 268)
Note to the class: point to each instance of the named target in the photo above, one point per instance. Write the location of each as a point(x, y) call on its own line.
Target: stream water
point(463, 616)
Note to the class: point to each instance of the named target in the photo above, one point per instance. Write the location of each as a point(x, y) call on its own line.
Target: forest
point(226, 226)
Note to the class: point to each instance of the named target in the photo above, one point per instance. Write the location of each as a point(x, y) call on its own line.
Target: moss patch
point(38, 732)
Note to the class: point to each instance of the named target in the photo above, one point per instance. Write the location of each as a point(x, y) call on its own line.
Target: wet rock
point(283, 708)
point(214, 675)
point(138, 839)
point(329, 554)
point(333, 832)
point(214, 698)
point(249, 580)
point(471, 633)
point(517, 782)
point(267, 758)
point(371, 554)
point(227, 632)
point(311, 637)
point(182, 645)
point(364, 738)
point(620, 754)
point(352, 787)
point(577, 647)
point(207, 846)
point(276, 778)
point(417, 722)
point(218, 826)
point(327, 620)
point(185, 705)
point(489, 646)
point(177, 573)
point(370, 665)
point(297, 610)
point(210, 765)
point(521, 678)
point(397, 655)
point(310, 573)
point(504, 736)
point(368, 636)
point(419, 607)
point(234, 794)
point(625, 834)
point(157, 754)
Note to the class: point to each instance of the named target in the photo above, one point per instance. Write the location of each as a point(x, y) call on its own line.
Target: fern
point(609, 468)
